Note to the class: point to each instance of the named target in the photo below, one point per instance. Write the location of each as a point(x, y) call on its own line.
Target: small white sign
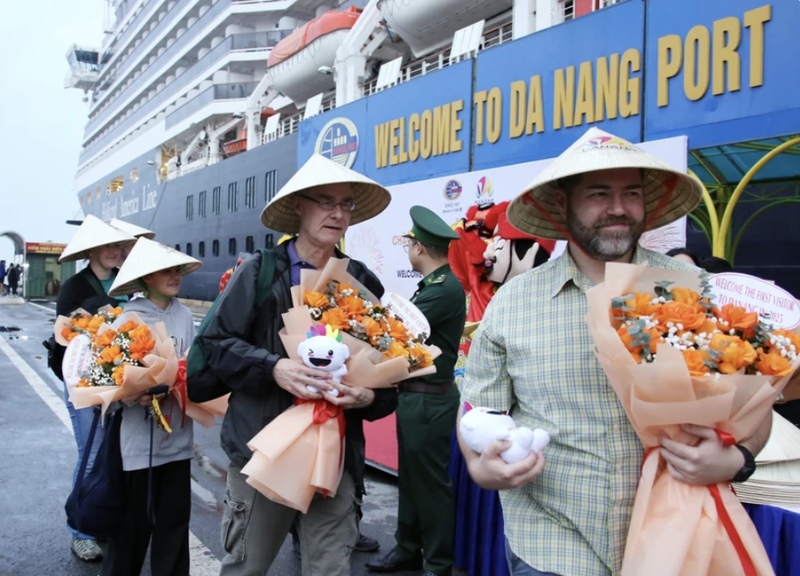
point(77, 360)
point(412, 317)
point(757, 295)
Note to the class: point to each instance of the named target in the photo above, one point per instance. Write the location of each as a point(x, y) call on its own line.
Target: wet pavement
point(37, 456)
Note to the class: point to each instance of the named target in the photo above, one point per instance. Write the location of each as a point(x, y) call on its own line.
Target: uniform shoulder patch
point(439, 279)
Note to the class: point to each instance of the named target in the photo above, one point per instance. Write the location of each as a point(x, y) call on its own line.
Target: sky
point(42, 122)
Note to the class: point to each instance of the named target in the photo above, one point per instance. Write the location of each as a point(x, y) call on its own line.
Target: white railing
point(567, 9)
point(291, 124)
point(439, 60)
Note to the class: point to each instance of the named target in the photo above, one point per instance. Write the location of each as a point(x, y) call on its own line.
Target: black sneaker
point(366, 544)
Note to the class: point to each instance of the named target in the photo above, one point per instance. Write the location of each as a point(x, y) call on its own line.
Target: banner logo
point(484, 192)
point(452, 190)
point(338, 141)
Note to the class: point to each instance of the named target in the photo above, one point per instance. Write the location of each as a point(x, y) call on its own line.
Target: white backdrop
point(379, 242)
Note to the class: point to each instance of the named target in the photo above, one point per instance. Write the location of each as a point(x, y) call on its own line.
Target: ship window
point(201, 204)
point(89, 198)
point(116, 184)
point(97, 194)
point(135, 175)
point(269, 241)
point(250, 192)
point(270, 185)
point(215, 247)
point(233, 197)
point(190, 207)
point(215, 200)
point(232, 246)
point(201, 249)
point(188, 248)
point(178, 247)
point(249, 245)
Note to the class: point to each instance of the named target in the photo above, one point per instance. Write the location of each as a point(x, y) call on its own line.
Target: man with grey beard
point(533, 357)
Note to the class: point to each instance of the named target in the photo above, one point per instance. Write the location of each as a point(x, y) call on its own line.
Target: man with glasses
point(244, 349)
point(427, 410)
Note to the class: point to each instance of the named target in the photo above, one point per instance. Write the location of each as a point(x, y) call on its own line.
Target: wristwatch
point(749, 465)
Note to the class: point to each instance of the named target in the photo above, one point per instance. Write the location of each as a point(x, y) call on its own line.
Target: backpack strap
point(87, 449)
point(94, 283)
point(265, 276)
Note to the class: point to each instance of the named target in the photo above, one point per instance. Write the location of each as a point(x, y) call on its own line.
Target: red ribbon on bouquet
point(324, 411)
point(181, 390)
point(733, 534)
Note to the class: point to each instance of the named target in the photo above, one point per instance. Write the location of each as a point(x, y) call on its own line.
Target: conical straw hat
point(145, 258)
point(132, 229)
point(534, 210)
point(92, 234)
point(370, 197)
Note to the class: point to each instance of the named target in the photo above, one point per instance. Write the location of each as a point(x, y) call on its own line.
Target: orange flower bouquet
point(117, 361)
point(67, 328)
point(301, 452)
point(674, 358)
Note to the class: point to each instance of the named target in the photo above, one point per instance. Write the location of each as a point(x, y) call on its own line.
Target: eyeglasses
point(408, 245)
point(328, 206)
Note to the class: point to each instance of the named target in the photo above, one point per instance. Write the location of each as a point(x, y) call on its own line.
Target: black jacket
point(78, 292)
point(243, 346)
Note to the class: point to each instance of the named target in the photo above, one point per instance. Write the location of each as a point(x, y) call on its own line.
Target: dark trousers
point(426, 513)
point(169, 549)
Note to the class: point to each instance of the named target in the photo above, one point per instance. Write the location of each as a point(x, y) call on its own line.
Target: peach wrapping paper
point(160, 366)
point(293, 458)
point(675, 529)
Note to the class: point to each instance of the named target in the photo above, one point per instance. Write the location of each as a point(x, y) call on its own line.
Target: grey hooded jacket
point(135, 428)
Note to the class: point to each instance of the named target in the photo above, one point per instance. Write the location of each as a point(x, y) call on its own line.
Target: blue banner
point(722, 72)
point(338, 135)
point(535, 96)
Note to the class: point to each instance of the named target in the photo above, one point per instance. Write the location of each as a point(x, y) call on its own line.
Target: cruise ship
point(200, 110)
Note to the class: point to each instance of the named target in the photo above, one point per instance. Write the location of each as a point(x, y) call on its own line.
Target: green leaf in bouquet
point(384, 342)
point(662, 290)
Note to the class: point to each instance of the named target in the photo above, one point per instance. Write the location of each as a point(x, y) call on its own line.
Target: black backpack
point(96, 505)
point(202, 382)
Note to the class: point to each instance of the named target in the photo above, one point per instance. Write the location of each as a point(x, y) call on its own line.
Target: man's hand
point(145, 400)
point(293, 376)
point(490, 471)
point(351, 396)
point(707, 463)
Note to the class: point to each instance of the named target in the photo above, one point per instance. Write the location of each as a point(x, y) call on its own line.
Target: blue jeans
point(82, 425)
point(517, 567)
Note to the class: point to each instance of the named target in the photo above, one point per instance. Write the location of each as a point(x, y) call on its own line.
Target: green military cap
point(429, 228)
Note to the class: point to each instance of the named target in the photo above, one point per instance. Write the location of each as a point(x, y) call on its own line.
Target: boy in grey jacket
point(157, 270)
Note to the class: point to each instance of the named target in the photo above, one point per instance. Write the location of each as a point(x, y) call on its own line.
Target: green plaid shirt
point(533, 355)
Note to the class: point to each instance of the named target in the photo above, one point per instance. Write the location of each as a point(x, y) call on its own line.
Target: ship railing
point(291, 124)
point(492, 37)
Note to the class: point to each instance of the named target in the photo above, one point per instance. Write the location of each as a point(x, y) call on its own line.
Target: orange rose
point(636, 351)
point(341, 287)
point(127, 327)
point(110, 355)
point(640, 305)
point(422, 357)
point(737, 318)
point(336, 319)
point(708, 327)
point(397, 330)
point(735, 353)
point(696, 362)
point(688, 297)
point(118, 373)
point(373, 329)
point(141, 332)
point(773, 364)
point(81, 323)
point(678, 313)
point(83, 383)
point(140, 348)
point(316, 300)
point(105, 339)
point(353, 306)
point(396, 350)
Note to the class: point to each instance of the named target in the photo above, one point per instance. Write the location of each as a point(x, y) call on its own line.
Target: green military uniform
point(426, 415)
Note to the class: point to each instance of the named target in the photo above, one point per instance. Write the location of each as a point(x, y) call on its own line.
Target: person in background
point(2, 277)
point(715, 265)
point(426, 411)
point(88, 289)
point(13, 278)
point(156, 271)
point(684, 255)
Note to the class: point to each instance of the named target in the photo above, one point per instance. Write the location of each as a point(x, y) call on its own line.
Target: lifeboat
point(295, 61)
point(429, 26)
